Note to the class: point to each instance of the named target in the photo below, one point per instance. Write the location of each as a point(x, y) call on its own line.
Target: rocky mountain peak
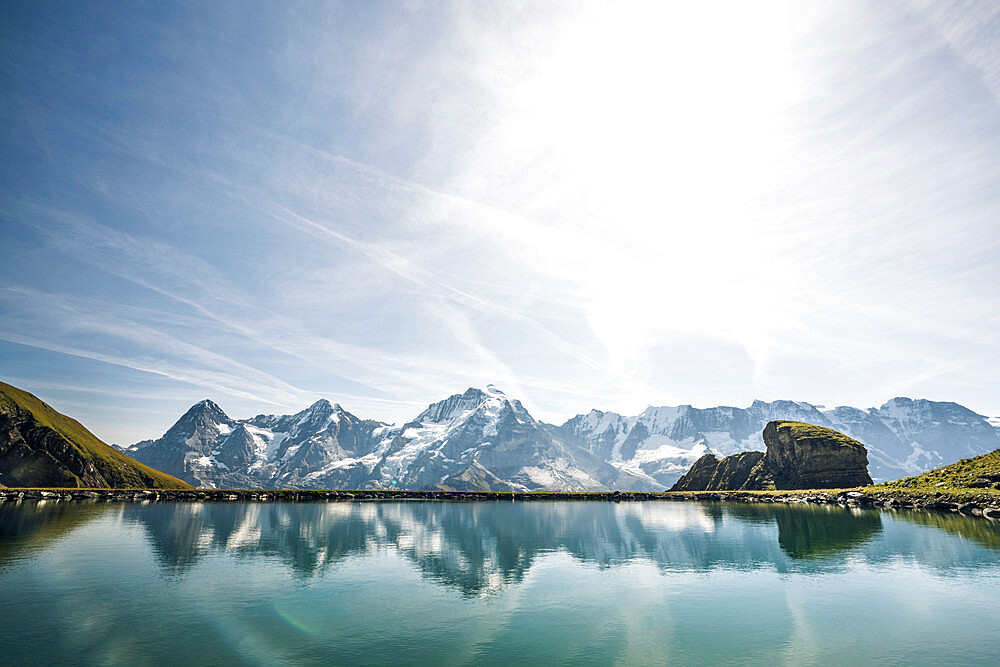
point(203, 414)
point(458, 405)
point(322, 407)
point(206, 407)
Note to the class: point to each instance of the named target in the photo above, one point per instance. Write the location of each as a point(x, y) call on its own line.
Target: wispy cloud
point(388, 205)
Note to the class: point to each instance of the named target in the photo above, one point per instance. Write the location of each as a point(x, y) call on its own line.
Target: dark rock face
point(699, 477)
point(802, 456)
point(32, 455)
point(40, 447)
point(740, 472)
point(799, 456)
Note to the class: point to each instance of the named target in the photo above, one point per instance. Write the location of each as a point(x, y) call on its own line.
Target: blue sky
point(589, 204)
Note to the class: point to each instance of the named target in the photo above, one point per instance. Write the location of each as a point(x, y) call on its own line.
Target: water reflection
point(478, 548)
point(813, 532)
point(26, 528)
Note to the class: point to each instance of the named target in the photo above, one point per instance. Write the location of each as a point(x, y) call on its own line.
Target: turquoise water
point(497, 583)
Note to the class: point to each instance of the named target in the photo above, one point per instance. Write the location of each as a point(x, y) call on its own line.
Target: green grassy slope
point(980, 472)
point(117, 469)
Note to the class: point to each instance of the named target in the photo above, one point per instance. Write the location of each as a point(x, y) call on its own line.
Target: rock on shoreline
point(873, 498)
point(798, 456)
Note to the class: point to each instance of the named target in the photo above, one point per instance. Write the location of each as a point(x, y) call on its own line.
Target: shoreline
point(966, 502)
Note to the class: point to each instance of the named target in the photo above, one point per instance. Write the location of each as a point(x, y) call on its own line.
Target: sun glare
point(653, 132)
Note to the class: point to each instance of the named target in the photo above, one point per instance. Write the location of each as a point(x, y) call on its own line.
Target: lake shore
point(972, 502)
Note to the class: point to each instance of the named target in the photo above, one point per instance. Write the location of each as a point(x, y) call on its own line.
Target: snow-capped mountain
point(208, 448)
point(477, 440)
point(903, 437)
point(482, 439)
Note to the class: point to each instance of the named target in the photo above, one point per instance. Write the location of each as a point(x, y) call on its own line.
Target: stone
point(941, 505)
point(803, 456)
point(798, 456)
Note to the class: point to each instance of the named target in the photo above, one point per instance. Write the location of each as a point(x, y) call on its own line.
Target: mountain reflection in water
point(478, 548)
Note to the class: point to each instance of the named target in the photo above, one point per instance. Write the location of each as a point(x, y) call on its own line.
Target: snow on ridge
point(661, 419)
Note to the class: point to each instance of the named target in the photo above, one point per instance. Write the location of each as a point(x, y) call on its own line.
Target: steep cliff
point(803, 456)
point(798, 456)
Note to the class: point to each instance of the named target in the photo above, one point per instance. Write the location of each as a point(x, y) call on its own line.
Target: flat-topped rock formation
point(803, 456)
point(798, 456)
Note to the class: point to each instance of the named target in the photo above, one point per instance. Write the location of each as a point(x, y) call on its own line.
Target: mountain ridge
point(904, 436)
point(482, 439)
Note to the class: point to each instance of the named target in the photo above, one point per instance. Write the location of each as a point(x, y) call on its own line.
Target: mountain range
point(484, 440)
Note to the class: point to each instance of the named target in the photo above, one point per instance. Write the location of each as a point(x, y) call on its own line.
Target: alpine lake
point(506, 583)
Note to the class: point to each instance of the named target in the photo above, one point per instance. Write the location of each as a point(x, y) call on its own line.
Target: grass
point(802, 430)
point(117, 469)
point(980, 472)
point(915, 495)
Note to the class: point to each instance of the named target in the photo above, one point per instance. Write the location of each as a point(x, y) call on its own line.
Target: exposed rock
point(42, 447)
point(739, 472)
point(474, 477)
point(743, 471)
point(941, 505)
point(699, 477)
point(803, 456)
point(799, 456)
point(478, 440)
point(903, 437)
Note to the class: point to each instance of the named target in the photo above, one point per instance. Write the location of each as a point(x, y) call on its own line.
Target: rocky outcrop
point(699, 477)
point(739, 472)
point(798, 456)
point(803, 456)
point(903, 437)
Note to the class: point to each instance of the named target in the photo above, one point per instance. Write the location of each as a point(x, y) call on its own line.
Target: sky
point(591, 205)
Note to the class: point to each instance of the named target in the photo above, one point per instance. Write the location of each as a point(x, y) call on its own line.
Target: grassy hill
point(42, 447)
point(980, 472)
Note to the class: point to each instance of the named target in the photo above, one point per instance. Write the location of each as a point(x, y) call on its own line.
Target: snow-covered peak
point(599, 422)
point(898, 405)
point(322, 407)
point(318, 415)
point(785, 409)
point(460, 406)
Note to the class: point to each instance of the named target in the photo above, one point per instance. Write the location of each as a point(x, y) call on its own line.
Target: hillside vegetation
point(42, 447)
point(980, 472)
